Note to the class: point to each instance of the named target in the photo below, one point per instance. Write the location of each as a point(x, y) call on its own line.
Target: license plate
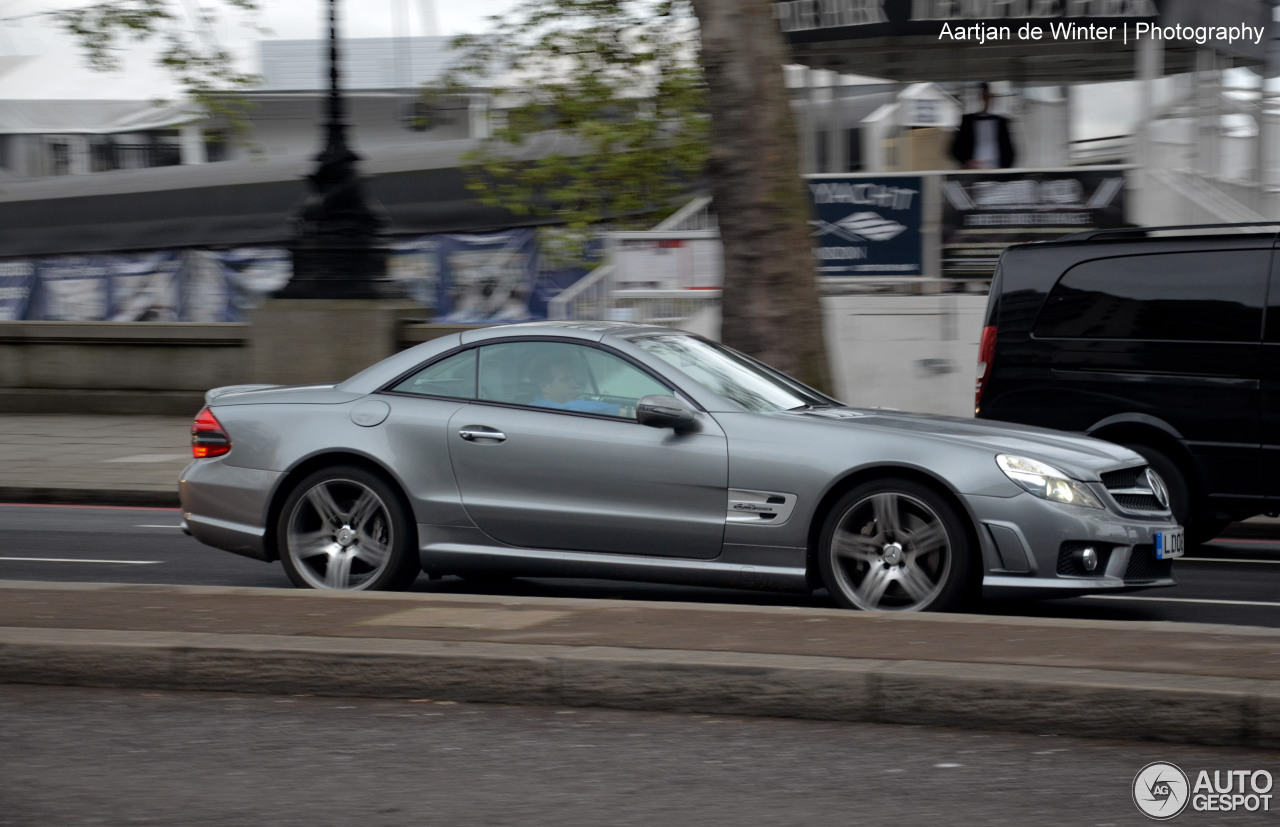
point(1169, 544)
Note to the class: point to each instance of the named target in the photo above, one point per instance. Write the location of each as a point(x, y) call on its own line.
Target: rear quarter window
point(1203, 296)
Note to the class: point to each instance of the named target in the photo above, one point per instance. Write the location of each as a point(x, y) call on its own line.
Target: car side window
point(563, 376)
point(1198, 297)
point(615, 378)
point(453, 377)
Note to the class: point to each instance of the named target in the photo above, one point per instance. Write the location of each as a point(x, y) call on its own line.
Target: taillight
point(208, 439)
point(986, 357)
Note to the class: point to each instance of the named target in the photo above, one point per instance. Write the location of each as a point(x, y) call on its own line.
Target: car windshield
point(737, 378)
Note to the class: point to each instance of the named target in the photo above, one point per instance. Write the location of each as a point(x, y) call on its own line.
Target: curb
point(1044, 700)
point(116, 497)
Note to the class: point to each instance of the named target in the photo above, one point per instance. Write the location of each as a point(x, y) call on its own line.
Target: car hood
point(263, 394)
point(1079, 456)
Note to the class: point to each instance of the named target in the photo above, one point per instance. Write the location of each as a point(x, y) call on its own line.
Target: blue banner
point(866, 226)
point(486, 278)
point(74, 289)
point(17, 284)
point(125, 287)
point(414, 264)
point(145, 287)
point(252, 275)
point(489, 278)
point(207, 294)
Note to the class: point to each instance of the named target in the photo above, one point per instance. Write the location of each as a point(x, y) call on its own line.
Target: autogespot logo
point(1161, 790)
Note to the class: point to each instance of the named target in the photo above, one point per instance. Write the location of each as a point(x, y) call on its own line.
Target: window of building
point(59, 155)
point(217, 145)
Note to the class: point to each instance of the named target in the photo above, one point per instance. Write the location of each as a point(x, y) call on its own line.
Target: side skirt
point(736, 567)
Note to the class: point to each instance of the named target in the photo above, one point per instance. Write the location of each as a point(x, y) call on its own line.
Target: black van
point(1166, 340)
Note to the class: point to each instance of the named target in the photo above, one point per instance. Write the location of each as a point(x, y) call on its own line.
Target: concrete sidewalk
point(1174, 682)
point(89, 459)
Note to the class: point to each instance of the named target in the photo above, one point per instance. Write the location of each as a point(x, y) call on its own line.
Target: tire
point(344, 528)
point(896, 545)
point(1183, 501)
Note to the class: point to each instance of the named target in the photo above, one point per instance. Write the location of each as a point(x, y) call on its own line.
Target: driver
point(558, 387)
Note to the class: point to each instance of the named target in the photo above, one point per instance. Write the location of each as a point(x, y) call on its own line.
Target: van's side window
point(1203, 297)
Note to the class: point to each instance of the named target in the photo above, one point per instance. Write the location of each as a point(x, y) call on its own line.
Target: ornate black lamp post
point(338, 250)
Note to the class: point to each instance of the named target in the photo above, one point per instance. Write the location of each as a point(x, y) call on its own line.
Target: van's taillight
point(986, 357)
point(208, 439)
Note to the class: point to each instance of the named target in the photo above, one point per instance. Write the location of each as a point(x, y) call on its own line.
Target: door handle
point(473, 432)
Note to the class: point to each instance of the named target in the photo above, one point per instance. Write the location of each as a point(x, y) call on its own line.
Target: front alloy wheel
point(344, 528)
point(895, 546)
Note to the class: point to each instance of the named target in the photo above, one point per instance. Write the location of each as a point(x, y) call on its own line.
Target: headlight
point(1046, 482)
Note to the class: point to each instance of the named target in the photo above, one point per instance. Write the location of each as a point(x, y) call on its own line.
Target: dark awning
point(1081, 40)
point(427, 201)
point(230, 204)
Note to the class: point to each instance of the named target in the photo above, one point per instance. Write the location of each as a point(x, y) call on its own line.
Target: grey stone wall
point(908, 352)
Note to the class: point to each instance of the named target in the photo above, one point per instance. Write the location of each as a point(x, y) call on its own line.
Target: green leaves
point(618, 82)
point(99, 27)
point(205, 70)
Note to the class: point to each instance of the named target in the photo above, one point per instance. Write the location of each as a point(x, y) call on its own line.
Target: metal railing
point(586, 298)
point(593, 296)
point(110, 156)
point(696, 215)
point(671, 308)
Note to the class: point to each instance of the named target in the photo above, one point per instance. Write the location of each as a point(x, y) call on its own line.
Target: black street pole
point(338, 250)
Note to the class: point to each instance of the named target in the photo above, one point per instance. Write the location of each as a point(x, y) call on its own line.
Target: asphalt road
point(1234, 582)
point(87, 756)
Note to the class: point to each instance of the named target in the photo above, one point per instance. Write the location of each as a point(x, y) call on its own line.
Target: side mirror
point(666, 412)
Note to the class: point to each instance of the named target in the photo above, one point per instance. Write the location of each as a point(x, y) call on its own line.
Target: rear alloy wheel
point(344, 528)
point(895, 546)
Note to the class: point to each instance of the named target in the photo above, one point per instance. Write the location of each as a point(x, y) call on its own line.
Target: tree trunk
point(770, 308)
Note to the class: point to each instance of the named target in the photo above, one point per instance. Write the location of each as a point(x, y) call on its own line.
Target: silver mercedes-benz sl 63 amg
point(611, 450)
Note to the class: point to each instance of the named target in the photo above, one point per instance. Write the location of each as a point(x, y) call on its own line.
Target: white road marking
point(148, 458)
point(71, 560)
point(1183, 600)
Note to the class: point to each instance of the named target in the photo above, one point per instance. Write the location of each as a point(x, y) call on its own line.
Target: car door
point(584, 479)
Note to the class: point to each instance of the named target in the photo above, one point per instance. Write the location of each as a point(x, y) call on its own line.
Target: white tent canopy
point(57, 94)
point(91, 117)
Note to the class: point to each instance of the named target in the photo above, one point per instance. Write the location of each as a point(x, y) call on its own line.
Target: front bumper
point(1026, 543)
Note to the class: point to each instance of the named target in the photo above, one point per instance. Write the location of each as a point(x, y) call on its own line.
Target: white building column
point(192, 144)
point(478, 117)
point(78, 159)
point(1268, 154)
point(823, 96)
point(808, 123)
point(840, 127)
point(1150, 66)
point(1208, 112)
